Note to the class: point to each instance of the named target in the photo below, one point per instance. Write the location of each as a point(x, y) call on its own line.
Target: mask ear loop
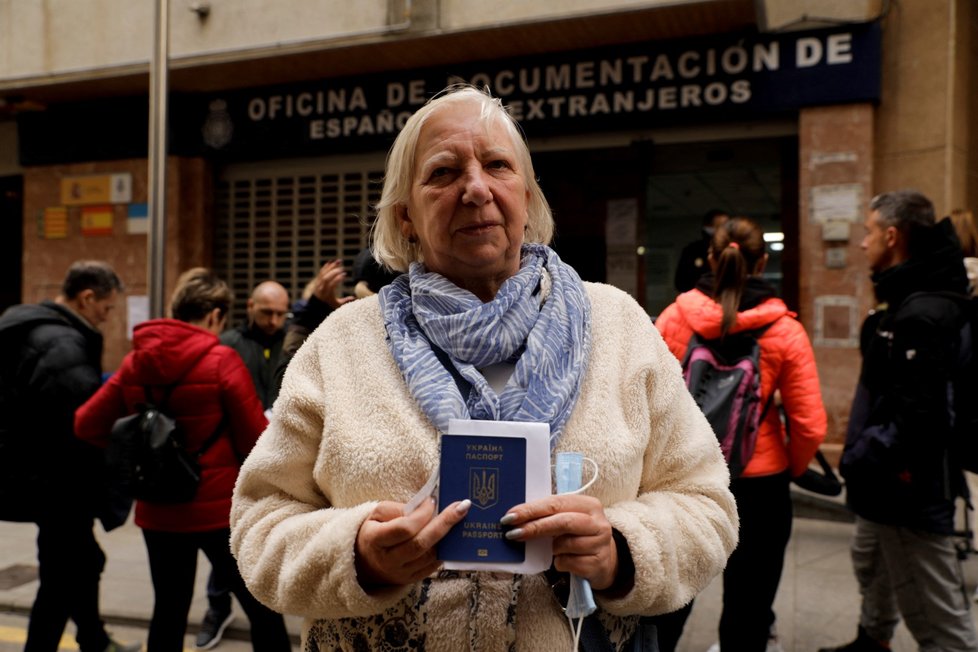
point(586, 486)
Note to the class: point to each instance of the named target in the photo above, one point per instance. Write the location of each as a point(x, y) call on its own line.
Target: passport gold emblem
point(484, 486)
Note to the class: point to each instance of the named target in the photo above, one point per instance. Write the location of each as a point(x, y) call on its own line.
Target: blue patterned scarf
point(547, 334)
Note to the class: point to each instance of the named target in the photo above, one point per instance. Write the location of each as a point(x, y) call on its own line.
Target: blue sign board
point(623, 87)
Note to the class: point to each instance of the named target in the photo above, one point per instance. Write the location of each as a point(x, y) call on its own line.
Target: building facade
point(642, 115)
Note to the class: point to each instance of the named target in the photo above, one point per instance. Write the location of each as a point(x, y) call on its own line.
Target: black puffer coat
point(52, 363)
point(895, 460)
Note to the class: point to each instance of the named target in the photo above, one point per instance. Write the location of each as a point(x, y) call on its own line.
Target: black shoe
point(863, 643)
point(212, 629)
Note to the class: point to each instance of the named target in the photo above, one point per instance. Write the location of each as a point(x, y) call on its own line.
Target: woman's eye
point(439, 172)
point(499, 164)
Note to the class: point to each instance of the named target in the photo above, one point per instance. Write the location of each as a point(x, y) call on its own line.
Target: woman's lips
point(478, 229)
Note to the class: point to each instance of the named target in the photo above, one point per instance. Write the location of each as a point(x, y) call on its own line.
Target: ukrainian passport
point(491, 472)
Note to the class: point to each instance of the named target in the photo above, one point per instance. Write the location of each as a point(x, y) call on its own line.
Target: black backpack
point(963, 446)
point(147, 458)
point(724, 378)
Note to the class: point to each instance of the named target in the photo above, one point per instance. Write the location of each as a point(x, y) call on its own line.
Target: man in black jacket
point(900, 481)
point(52, 363)
point(259, 341)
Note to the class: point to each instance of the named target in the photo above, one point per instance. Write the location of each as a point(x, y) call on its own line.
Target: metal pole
point(156, 242)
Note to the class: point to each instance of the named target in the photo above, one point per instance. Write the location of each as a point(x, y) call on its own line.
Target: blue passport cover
point(491, 472)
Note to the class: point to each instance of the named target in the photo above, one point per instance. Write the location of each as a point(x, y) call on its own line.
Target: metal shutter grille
point(285, 227)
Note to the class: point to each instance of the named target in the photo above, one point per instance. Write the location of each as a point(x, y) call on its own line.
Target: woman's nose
point(476, 190)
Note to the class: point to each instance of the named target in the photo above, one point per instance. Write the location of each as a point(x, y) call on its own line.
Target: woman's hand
point(394, 549)
point(583, 544)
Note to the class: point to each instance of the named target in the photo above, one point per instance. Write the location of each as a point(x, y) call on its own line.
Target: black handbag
point(826, 483)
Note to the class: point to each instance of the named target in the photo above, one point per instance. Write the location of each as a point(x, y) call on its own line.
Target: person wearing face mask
point(487, 323)
point(179, 364)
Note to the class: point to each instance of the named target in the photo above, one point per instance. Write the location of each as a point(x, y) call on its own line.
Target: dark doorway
point(672, 186)
point(580, 185)
point(751, 178)
point(12, 242)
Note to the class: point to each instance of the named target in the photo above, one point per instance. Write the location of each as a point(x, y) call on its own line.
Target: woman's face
point(468, 201)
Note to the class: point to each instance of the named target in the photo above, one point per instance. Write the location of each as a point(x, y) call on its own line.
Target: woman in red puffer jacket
point(734, 299)
point(211, 390)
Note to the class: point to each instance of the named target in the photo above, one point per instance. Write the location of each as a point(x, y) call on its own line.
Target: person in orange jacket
point(733, 299)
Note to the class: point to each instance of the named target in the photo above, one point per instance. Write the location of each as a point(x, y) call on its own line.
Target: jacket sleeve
point(801, 397)
point(94, 419)
point(296, 551)
point(240, 402)
point(62, 379)
point(682, 525)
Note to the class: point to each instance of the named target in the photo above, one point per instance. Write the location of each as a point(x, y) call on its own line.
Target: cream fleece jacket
point(347, 434)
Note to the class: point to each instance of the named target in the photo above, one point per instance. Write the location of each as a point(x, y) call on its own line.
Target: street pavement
point(817, 603)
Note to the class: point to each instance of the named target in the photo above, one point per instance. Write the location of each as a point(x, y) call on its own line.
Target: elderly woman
point(318, 524)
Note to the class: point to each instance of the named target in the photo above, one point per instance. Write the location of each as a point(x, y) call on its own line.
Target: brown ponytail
point(736, 248)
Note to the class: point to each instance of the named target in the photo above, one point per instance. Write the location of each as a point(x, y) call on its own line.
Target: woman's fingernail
point(515, 533)
point(509, 518)
point(463, 506)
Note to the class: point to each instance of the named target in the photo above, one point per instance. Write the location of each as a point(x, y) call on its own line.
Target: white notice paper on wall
point(137, 311)
point(836, 202)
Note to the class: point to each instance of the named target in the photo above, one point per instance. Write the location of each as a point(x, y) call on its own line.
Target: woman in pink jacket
point(209, 389)
point(731, 300)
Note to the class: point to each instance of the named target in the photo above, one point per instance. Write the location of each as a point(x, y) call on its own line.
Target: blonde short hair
point(198, 291)
point(389, 245)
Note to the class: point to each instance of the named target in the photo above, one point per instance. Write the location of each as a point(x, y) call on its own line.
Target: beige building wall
point(924, 133)
point(45, 39)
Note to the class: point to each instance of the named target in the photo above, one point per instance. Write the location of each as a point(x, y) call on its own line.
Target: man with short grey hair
point(52, 363)
point(899, 479)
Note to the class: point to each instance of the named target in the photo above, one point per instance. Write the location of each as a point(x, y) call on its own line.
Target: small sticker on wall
point(54, 222)
point(96, 220)
point(137, 218)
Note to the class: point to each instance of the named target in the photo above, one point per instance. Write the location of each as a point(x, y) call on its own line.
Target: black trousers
point(750, 581)
point(70, 564)
point(173, 566)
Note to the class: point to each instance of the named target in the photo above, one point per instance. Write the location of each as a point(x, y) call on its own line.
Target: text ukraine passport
point(491, 472)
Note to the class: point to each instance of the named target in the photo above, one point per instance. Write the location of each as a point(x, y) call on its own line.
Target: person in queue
point(207, 389)
point(731, 300)
point(318, 524)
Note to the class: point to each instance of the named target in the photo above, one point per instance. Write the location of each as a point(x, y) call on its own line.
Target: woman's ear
point(214, 321)
point(404, 221)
